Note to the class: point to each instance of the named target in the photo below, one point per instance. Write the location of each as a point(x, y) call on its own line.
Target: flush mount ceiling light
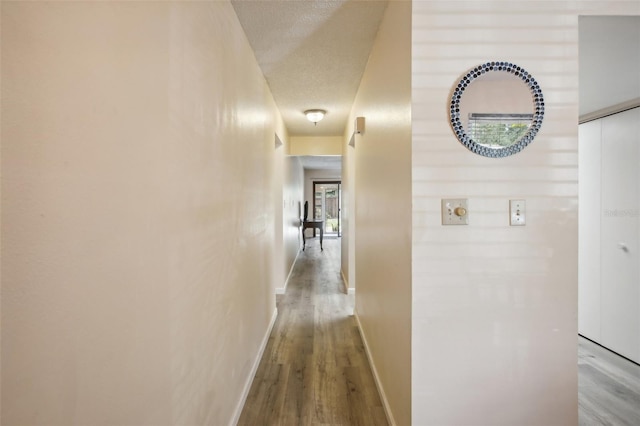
point(315, 115)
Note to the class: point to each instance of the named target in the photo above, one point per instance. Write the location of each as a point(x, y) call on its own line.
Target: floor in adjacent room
point(608, 387)
point(314, 370)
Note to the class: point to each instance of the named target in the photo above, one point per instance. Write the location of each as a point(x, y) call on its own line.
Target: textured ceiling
point(313, 54)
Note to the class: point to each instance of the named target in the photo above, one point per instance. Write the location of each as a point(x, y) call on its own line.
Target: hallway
point(314, 369)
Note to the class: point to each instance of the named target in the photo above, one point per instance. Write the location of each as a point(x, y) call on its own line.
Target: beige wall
point(382, 191)
point(495, 307)
point(137, 222)
point(315, 145)
point(347, 243)
point(292, 201)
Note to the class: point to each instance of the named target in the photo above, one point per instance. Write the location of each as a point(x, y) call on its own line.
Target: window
point(498, 130)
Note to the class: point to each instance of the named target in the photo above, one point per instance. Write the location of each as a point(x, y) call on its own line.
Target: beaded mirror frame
point(538, 109)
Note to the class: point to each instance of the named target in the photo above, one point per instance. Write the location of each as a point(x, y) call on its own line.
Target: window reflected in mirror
point(498, 130)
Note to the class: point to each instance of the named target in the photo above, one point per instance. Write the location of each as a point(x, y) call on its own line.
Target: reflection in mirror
point(500, 113)
point(498, 130)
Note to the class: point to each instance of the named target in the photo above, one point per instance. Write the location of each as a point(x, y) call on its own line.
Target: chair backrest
point(306, 210)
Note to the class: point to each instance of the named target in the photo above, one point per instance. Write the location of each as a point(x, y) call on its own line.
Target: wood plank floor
point(608, 387)
point(314, 370)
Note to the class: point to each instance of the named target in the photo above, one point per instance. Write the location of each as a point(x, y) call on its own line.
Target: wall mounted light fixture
point(315, 115)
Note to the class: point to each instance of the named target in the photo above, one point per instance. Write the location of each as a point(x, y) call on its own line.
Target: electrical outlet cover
point(517, 212)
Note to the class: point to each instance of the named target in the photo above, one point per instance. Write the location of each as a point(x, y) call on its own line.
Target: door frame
point(313, 198)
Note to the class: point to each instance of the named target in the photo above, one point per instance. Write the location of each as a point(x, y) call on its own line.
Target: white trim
point(614, 109)
point(324, 179)
point(254, 368)
point(282, 290)
point(383, 397)
point(345, 284)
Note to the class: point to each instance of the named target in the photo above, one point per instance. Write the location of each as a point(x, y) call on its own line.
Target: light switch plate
point(455, 211)
point(517, 212)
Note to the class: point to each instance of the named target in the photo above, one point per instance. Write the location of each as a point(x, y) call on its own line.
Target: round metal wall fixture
point(496, 133)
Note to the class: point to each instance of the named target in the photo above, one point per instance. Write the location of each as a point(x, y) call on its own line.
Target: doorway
point(327, 199)
point(608, 260)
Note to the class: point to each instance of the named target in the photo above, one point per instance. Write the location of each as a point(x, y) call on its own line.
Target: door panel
point(620, 287)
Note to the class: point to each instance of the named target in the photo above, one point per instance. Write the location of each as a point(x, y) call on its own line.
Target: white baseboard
point(254, 368)
point(383, 396)
point(282, 290)
point(345, 284)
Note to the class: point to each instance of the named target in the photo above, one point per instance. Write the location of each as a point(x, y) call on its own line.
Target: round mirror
point(496, 109)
